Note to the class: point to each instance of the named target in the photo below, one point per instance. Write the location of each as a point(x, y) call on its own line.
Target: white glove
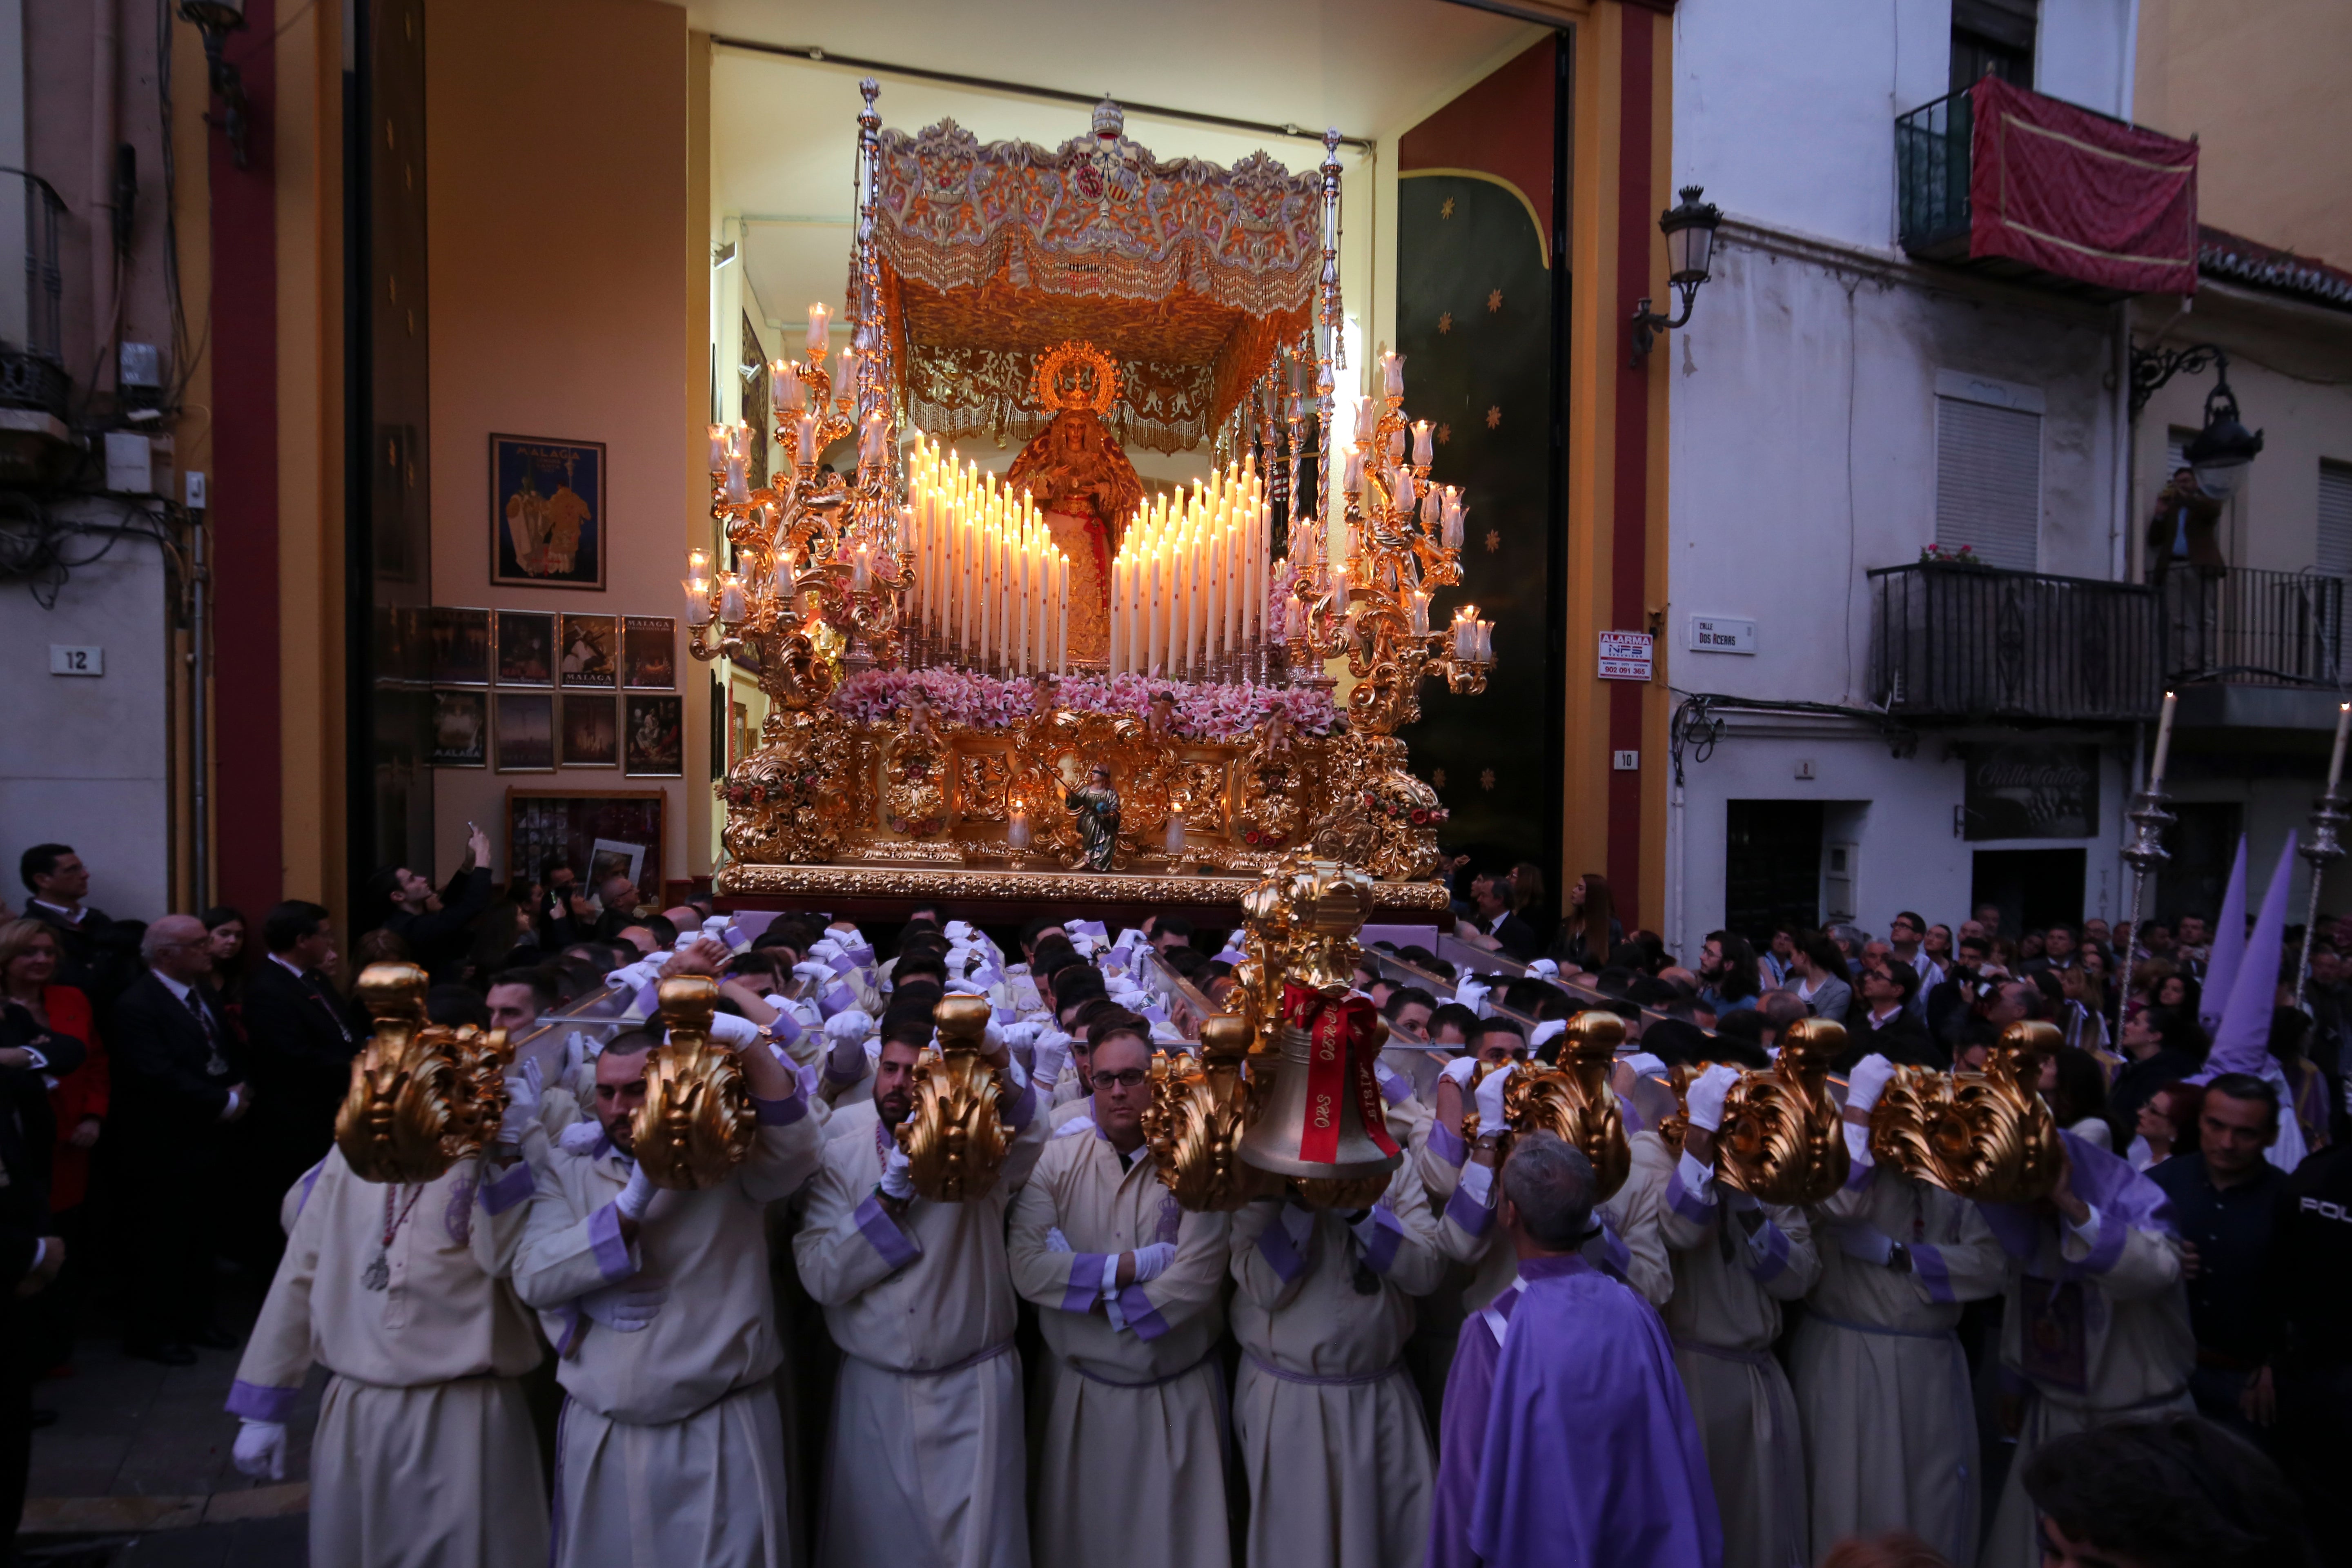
point(637, 1196)
point(579, 1050)
point(1153, 1261)
point(1488, 1097)
point(898, 1176)
point(582, 1137)
point(1645, 1064)
point(966, 988)
point(523, 1098)
point(1704, 1100)
point(1457, 1071)
point(1544, 967)
point(717, 926)
point(1054, 1240)
point(1866, 1242)
point(959, 931)
point(626, 1308)
point(1051, 1054)
point(1545, 1032)
point(1868, 1081)
point(729, 1030)
point(261, 1450)
point(812, 971)
point(1473, 995)
point(845, 1034)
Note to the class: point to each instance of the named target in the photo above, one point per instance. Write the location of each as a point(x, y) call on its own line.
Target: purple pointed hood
point(2242, 1042)
point(2229, 945)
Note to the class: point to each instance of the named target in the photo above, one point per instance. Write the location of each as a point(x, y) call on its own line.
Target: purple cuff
point(1615, 1256)
point(779, 1112)
point(787, 1026)
point(1467, 1212)
point(1396, 1089)
point(1387, 1236)
point(1274, 1246)
point(1447, 1145)
point(1858, 1174)
point(647, 1001)
point(896, 1249)
point(1770, 1252)
point(840, 999)
point(1684, 1202)
point(310, 1179)
point(604, 1241)
point(257, 1402)
point(860, 956)
point(841, 963)
point(508, 1190)
point(2106, 1252)
point(1935, 1276)
point(1085, 1281)
point(1227, 955)
point(574, 1319)
point(1005, 1014)
point(1024, 1107)
point(1141, 1314)
point(1158, 1013)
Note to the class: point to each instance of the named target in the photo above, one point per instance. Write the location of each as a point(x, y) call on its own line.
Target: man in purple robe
point(1566, 1437)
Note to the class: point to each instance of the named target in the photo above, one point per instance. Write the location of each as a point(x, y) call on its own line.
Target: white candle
point(1175, 835)
point(2336, 763)
point(819, 337)
point(1425, 448)
point(697, 601)
point(1391, 373)
point(2163, 741)
point(1016, 831)
point(730, 597)
point(718, 448)
point(805, 446)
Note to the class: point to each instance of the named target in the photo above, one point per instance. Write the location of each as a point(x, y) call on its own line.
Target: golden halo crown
point(1077, 375)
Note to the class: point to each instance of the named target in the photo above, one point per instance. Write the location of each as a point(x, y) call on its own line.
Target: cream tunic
point(1882, 1388)
point(2114, 1292)
point(1630, 1246)
point(424, 1453)
point(1331, 1431)
point(1129, 1428)
point(671, 1446)
point(1724, 1316)
point(925, 1462)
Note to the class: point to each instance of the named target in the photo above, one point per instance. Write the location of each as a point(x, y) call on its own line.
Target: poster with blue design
point(547, 512)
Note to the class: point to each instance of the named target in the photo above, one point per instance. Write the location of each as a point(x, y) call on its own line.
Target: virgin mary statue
point(1080, 479)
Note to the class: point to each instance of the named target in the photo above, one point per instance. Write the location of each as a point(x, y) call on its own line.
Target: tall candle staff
point(2325, 847)
point(2146, 851)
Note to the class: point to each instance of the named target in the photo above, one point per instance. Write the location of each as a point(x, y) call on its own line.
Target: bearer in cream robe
point(925, 1464)
point(2096, 1321)
point(425, 1453)
point(670, 1449)
point(1128, 1445)
point(1331, 1432)
point(1883, 1387)
point(1734, 1261)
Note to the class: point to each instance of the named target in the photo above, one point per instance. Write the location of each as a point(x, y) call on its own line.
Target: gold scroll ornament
point(421, 1096)
point(696, 1122)
point(1783, 1140)
point(1986, 1136)
point(954, 1136)
point(1200, 1108)
point(1573, 1100)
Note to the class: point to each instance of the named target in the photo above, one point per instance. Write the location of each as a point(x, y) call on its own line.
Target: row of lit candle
point(1189, 584)
point(989, 580)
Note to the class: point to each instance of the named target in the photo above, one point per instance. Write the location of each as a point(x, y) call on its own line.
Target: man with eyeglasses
point(1130, 1289)
point(926, 1462)
point(177, 1085)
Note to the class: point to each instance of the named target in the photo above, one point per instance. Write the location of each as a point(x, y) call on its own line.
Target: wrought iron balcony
point(32, 362)
point(2253, 628)
point(1975, 643)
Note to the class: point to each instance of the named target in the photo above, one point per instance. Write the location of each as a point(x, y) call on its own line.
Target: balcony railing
point(1972, 643)
point(2253, 628)
point(1931, 165)
point(32, 360)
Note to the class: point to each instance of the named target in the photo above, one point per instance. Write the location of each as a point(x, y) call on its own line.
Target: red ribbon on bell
point(1340, 1045)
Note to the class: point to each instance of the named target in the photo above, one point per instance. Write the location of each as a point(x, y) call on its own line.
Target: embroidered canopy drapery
point(1190, 275)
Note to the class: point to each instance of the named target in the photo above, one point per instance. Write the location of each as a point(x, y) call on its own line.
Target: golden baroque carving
point(421, 1096)
point(1200, 1108)
point(1783, 1140)
point(1575, 1102)
point(954, 1136)
point(696, 1122)
point(1983, 1136)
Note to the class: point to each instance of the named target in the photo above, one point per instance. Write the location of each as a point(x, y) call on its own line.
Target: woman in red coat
point(31, 1005)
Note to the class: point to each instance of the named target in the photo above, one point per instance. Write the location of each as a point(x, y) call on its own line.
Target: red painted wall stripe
point(246, 799)
point(1629, 534)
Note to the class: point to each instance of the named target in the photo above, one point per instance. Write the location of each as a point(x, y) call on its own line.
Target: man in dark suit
point(58, 881)
point(176, 1089)
point(1882, 1020)
point(300, 1036)
point(435, 926)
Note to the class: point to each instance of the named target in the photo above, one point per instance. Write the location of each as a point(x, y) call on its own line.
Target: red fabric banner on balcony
point(2079, 194)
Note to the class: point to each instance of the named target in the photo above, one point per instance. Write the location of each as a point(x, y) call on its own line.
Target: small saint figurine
point(1160, 721)
point(1098, 808)
point(917, 708)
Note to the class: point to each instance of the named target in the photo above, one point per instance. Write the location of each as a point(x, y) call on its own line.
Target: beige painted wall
point(2261, 88)
point(557, 157)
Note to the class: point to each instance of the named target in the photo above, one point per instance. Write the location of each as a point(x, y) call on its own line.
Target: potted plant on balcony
point(1963, 559)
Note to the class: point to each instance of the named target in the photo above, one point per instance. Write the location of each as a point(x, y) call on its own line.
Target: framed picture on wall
point(653, 737)
point(589, 652)
point(592, 735)
point(648, 653)
point(461, 647)
point(526, 733)
point(587, 827)
point(547, 512)
point(526, 648)
point(461, 730)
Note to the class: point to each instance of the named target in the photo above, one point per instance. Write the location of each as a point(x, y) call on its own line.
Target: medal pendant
point(378, 1274)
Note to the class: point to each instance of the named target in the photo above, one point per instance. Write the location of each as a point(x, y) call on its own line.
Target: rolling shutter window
point(2335, 554)
point(2175, 452)
point(1988, 482)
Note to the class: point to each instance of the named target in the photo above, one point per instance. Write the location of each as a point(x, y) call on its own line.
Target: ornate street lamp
point(2222, 451)
point(1690, 230)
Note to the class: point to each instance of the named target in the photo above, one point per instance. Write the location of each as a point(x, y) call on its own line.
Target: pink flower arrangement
point(1225, 713)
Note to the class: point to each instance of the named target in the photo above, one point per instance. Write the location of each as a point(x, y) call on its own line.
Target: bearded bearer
point(1883, 1387)
point(1129, 1288)
point(1736, 1261)
point(925, 1462)
point(425, 1453)
point(670, 1449)
point(1330, 1429)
